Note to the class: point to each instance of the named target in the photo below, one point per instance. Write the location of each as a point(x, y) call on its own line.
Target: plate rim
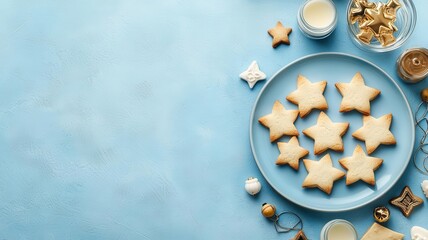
point(409, 155)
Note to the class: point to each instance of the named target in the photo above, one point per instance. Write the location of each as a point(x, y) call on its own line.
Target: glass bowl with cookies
point(380, 25)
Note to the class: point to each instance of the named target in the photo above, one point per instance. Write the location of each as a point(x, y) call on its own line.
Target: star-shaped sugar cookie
point(360, 167)
point(321, 174)
point(253, 74)
point(356, 95)
point(308, 96)
point(279, 34)
point(375, 131)
point(280, 122)
point(291, 153)
point(327, 134)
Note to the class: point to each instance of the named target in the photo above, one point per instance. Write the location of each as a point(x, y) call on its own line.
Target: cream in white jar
point(317, 18)
point(338, 229)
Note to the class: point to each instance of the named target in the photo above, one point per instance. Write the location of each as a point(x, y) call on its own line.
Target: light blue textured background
point(127, 119)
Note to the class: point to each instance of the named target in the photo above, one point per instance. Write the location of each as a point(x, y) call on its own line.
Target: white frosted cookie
point(356, 95)
point(375, 131)
point(360, 167)
point(327, 134)
point(321, 174)
point(253, 74)
point(308, 96)
point(419, 233)
point(291, 153)
point(280, 122)
point(379, 232)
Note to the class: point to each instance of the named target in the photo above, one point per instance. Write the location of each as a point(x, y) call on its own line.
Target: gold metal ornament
point(365, 36)
point(378, 19)
point(375, 20)
point(391, 9)
point(424, 95)
point(268, 210)
point(358, 12)
point(381, 214)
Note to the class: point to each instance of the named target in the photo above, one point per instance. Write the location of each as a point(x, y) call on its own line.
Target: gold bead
point(268, 210)
point(381, 214)
point(424, 95)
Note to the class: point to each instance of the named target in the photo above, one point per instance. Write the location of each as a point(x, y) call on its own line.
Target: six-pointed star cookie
point(279, 34)
point(356, 95)
point(406, 201)
point(327, 134)
point(291, 153)
point(280, 122)
point(360, 167)
point(375, 131)
point(253, 74)
point(321, 174)
point(308, 96)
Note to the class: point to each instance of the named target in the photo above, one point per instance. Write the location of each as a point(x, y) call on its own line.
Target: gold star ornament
point(279, 34)
point(358, 12)
point(375, 20)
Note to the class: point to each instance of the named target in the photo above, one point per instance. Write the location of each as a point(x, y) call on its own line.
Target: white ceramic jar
point(317, 19)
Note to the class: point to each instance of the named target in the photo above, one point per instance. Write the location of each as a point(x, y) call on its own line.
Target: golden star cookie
point(280, 122)
point(375, 131)
point(279, 34)
point(327, 134)
point(291, 153)
point(321, 174)
point(308, 96)
point(356, 95)
point(360, 167)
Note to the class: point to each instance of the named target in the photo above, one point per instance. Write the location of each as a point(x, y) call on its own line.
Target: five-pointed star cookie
point(327, 134)
point(375, 131)
point(360, 167)
point(406, 201)
point(280, 122)
point(378, 19)
point(308, 96)
point(356, 95)
point(253, 74)
point(279, 34)
point(291, 153)
point(321, 174)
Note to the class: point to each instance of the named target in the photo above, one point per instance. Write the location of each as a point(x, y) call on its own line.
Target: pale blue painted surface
point(127, 119)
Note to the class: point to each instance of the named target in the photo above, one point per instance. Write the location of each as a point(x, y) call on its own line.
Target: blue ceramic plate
point(333, 67)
